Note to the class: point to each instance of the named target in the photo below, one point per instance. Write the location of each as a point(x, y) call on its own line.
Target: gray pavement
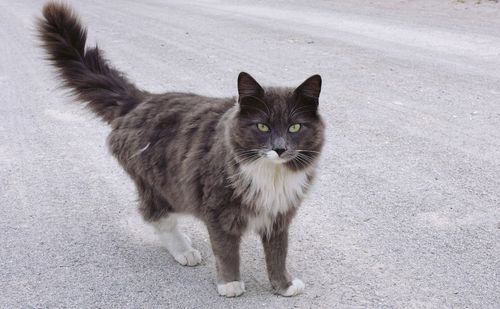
point(404, 214)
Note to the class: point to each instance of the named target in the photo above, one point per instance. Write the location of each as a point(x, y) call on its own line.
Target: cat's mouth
point(274, 157)
point(296, 158)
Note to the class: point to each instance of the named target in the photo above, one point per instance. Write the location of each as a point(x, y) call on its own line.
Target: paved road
point(405, 212)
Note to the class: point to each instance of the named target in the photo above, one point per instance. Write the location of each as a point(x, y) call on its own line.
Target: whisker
point(301, 112)
point(305, 158)
point(259, 110)
point(301, 161)
point(247, 155)
point(293, 109)
point(302, 109)
point(267, 107)
point(308, 157)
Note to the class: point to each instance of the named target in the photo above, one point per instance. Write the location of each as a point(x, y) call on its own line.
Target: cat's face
point(279, 125)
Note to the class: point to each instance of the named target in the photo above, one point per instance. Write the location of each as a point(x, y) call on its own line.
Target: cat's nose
point(279, 151)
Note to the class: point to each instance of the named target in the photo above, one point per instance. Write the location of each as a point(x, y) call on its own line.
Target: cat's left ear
point(310, 88)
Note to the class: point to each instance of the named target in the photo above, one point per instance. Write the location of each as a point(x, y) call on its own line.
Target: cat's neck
point(270, 189)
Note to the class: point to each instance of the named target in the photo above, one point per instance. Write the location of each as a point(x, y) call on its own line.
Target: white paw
point(231, 289)
point(295, 288)
point(191, 257)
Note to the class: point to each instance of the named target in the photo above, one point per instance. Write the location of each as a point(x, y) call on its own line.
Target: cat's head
point(279, 125)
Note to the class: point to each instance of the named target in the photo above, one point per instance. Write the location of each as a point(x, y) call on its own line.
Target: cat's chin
point(277, 160)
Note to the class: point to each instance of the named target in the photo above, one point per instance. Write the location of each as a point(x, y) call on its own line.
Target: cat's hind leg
point(159, 213)
point(176, 242)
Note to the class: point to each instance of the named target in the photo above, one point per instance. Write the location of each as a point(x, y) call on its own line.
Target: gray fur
point(184, 151)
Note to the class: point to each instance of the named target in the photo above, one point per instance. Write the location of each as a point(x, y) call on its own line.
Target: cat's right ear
point(248, 86)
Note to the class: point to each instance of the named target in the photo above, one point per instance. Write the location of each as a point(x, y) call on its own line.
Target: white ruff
point(272, 188)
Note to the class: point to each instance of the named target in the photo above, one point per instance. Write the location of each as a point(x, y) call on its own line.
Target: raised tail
point(106, 91)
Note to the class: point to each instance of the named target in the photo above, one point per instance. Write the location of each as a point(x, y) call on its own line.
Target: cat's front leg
point(275, 248)
point(226, 248)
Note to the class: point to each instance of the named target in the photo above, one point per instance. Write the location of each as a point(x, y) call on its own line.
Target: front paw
point(231, 289)
point(296, 287)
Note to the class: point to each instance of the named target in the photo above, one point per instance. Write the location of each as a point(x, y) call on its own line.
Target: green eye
point(262, 127)
point(294, 128)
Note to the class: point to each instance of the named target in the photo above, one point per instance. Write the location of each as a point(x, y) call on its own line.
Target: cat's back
point(175, 105)
point(170, 112)
point(160, 130)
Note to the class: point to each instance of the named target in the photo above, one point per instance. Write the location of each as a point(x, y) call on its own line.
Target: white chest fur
point(272, 189)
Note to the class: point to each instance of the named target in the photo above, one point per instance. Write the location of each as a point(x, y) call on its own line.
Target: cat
point(238, 164)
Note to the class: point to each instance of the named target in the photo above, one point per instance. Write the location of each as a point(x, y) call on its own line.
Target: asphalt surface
point(405, 211)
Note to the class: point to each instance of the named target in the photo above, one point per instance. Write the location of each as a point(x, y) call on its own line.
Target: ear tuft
point(248, 86)
point(311, 87)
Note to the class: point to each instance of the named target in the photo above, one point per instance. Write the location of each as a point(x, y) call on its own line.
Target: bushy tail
point(107, 92)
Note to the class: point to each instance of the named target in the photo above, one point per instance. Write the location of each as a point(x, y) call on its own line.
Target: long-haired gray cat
point(236, 164)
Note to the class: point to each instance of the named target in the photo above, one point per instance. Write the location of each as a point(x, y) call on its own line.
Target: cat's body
point(202, 156)
point(160, 141)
